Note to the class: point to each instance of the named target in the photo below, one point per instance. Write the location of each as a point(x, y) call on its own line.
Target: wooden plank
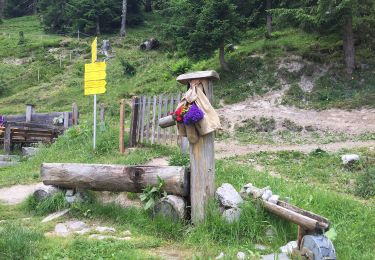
point(171, 129)
point(139, 120)
point(148, 119)
point(122, 126)
point(107, 177)
point(160, 105)
point(66, 120)
point(143, 117)
point(204, 75)
point(153, 120)
point(134, 122)
point(202, 179)
point(165, 114)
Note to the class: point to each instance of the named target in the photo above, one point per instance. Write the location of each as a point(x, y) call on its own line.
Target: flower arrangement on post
point(188, 114)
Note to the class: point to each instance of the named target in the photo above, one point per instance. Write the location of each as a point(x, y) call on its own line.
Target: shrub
point(366, 184)
point(55, 203)
point(128, 69)
point(179, 159)
point(180, 67)
point(291, 126)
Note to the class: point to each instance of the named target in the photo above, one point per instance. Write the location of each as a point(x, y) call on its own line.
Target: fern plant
point(152, 194)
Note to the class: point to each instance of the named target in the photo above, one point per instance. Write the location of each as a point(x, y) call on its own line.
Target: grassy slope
point(314, 183)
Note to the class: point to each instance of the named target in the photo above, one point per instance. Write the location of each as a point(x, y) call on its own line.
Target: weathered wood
point(160, 105)
point(165, 114)
point(105, 177)
point(172, 207)
point(66, 120)
point(295, 217)
point(7, 139)
point(139, 119)
point(75, 114)
point(153, 120)
point(122, 126)
point(167, 121)
point(45, 191)
point(143, 117)
point(134, 122)
point(148, 119)
point(29, 112)
point(206, 75)
point(102, 113)
point(171, 132)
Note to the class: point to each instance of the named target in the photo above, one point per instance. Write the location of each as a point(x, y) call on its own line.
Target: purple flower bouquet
point(193, 115)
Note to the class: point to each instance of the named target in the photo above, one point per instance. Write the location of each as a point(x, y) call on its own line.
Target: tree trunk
point(97, 27)
point(223, 63)
point(148, 5)
point(172, 207)
point(106, 177)
point(35, 6)
point(123, 18)
point(269, 17)
point(348, 42)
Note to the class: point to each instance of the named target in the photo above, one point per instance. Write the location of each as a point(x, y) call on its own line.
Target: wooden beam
point(134, 122)
point(122, 126)
point(106, 177)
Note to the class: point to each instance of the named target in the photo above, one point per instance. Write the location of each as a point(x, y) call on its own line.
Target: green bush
point(127, 68)
point(180, 67)
point(179, 159)
point(55, 203)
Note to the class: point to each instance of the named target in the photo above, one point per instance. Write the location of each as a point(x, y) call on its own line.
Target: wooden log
point(105, 177)
point(172, 207)
point(122, 126)
point(134, 122)
point(167, 121)
point(295, 217)
point(45, 191)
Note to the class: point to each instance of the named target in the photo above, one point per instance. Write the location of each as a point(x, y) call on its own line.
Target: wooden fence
point(146, 112)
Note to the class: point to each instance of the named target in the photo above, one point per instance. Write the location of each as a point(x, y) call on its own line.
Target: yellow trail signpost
point(95, 80)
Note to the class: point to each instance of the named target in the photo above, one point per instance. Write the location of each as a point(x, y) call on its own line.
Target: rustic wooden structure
point(105, 177)
point(35, 127)
point(147, 111)
point(122, 126)
point(202, 159)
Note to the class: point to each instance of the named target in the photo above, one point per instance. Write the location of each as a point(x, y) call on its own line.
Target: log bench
point(12, 133)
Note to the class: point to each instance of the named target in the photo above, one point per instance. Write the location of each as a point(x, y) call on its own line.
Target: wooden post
point(75, 114)
point(7, 139)
point(134, 122)
point(29, 112)
point(66, 120)
point(122, 125)
point(202, 159)
point(102, 114)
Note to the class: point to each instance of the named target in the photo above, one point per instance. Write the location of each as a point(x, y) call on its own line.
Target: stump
point(45, 191)
point(171, 206)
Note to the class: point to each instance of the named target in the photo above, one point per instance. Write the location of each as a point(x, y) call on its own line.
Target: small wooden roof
point(207, 74)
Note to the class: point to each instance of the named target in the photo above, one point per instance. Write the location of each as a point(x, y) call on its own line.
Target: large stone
point(76, 225)
point(241, 256)
point(288, 248)
point(349, 158)
point(61, 230)
point(105, 229)
point(29, 151)
point(228, 196)
point(232, 215)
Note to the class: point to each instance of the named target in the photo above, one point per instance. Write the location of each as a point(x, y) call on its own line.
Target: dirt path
point(225, 150)
point(18, 193)
point(354, 121)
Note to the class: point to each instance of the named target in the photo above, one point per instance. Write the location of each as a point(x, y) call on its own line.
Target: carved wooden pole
point(202, 159)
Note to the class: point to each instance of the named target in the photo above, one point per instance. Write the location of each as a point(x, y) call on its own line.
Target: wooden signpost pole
point(202, 159)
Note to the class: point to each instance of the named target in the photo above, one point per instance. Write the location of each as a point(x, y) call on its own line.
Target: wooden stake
point(122, 126)
point(134, 122)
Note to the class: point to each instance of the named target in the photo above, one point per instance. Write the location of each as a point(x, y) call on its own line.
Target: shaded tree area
point(16, 8)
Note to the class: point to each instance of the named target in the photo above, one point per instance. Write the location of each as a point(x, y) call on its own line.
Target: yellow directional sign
point(94, 50)
point(94, 78)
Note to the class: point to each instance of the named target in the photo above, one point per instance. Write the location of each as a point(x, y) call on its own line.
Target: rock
point(150, 44)
point(45, 191)
point(55, 215)
point(228, 196)
point(274, 199)
point(270, 233)
point(61, 230)
point(29, 151)
point(288, 248)
point(260, 247)
point(267, 194)
point(83, 231)
point(70, 199)
point(76, 225)
point(281, 256)
point(349, 158)
point(69, 193)
point(105, 229)
point(220, 256)
point(79, 196)
point(232, 215)
point(241, 256)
